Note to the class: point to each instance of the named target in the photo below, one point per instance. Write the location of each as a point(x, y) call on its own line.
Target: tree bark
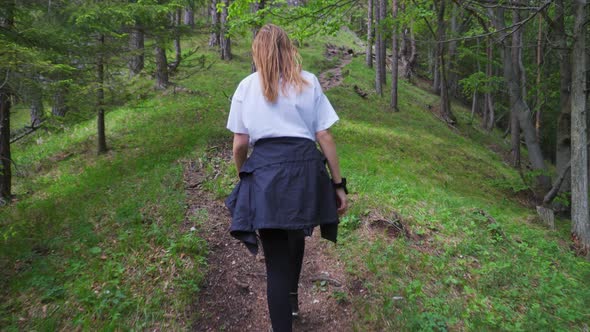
point(223, 37)
point(59, 107)
point(102, 142)
point(563, 147)
point(516, 54)
point(7, 23)
point(189, 17)
point(436, 72)
point(378, 45)
point(538, 102)
point(383, 47)
point(453, 79)
point(394, 59)
point(177, 46)
point(489, 118)
point(161, 68)
point(136, 46)
point(215, 28)
point(579, 179)
point(514, 138)
point(445, 101)
point(369, 53)
point(5, 155)
point(408, 54)
point(36, 97)
point(521, 109)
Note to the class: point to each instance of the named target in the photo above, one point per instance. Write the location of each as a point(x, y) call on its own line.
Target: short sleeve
point(235, 121)
point(325, 113)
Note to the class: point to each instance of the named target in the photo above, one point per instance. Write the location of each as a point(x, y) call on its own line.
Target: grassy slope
point(100, 241)
point(465, 273)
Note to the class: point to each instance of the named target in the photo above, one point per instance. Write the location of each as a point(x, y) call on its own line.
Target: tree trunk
point(223, 37)
point(445, 101)
point(394, 59)
point(177, 47)
point(161, 68)
point(489, 118)
point(5, 156)
point(378, 45)
point(37, 113)
point(7, 23)
point(514, 138)
point(538, 102)
point(215, 28)
point(382, 47)
point(408, 55)
point(369, 53)
point(563, 147)
point(189, 17)
point(516, 54)
point(102, 142)
point(136, 41)
point(474, 102)
point(436, 72)
point(453, 80)
point(520, 107)
point(579, 179)
point(59, 107)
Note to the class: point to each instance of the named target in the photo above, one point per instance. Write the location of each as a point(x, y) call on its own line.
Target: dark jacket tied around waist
point(284, 184)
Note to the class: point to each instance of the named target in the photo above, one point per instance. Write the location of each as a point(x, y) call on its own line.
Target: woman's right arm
point(240, 150)
point(328, 147)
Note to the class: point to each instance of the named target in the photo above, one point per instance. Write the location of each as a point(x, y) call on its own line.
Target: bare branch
point(5, 79)
point(514, 27)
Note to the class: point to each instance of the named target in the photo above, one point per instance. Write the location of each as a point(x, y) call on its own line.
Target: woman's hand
point(342, 203)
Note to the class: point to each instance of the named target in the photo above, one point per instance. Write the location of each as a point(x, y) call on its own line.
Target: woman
point(284, 189)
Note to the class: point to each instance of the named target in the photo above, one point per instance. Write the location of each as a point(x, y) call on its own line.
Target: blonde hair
point(276, 57)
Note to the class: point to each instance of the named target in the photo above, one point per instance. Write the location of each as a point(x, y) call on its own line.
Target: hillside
point(436, 238)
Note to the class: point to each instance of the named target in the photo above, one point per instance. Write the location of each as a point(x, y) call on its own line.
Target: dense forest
point(98, 99)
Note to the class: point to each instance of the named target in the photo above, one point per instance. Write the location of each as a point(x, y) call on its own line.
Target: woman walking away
point(284, 189)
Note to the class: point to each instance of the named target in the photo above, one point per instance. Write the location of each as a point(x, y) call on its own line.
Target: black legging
point(283, 255)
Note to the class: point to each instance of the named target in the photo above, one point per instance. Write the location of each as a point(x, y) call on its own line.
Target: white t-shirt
point(292, 115)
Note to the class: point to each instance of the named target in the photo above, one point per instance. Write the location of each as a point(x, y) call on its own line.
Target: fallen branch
point(360, 92)
point(27, 132)
point(333, 282)
point(555, 189)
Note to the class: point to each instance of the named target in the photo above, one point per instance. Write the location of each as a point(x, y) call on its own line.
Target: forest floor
point(233, 294)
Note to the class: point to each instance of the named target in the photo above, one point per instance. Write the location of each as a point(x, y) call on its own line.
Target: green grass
point(101, 242)
point(462, 272)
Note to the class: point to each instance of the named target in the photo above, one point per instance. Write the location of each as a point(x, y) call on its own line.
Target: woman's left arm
point(240, 150)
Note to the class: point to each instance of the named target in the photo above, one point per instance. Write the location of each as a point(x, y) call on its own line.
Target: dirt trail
point(233, 294)
point(333, 77)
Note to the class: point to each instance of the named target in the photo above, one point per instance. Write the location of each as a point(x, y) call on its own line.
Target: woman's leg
point(296, 251)
point(275, 244)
